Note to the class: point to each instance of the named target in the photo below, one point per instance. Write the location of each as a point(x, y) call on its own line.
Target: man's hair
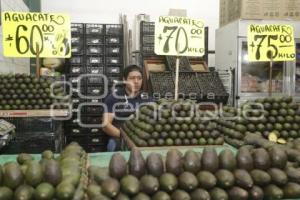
point(131, 68)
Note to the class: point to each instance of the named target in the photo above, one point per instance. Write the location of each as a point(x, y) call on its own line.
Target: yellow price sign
point(23, 32)
point(179, 36)
point(271, 42)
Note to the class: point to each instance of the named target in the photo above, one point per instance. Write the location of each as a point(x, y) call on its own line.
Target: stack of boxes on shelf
point(147, 38)
point(96, 64)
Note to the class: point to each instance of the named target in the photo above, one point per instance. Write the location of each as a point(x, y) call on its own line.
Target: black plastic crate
point(114, 29)
point(96, 148)
point(79, 138)
point(147, 27)
point(94, 29)
point(93, 110)
point(77, 130)
point(113, 79)
point(113, 50)
point(184, 64)
point(148, 40)
point(94, 69)
point(91, 120)
point(76, 90)
point(77, 60)
point(148, 50)
point(211, 85)
point(113, 69)
point(91, 60)
point(94, 50)
point(76, 101)
point(96, 139)
point(113, 40)
point(162, 83)
point(93, 80)
point(74, 80)
point(188, 85)
point(76, 70)
point(77, 40)
point(94, 90)
point(77, 50)
point(94, 40)
point(77, 28)
point(114, 60)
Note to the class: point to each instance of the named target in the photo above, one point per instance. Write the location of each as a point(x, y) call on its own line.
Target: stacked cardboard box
point(231, 10)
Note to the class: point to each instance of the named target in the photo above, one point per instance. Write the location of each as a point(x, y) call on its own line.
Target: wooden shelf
point(33, 113)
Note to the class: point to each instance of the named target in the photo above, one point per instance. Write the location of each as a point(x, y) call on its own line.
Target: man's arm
point(109, 128)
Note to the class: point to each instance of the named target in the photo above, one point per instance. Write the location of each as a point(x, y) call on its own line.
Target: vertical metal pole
point(37, 61)
point(270, 77)
point(176, 78)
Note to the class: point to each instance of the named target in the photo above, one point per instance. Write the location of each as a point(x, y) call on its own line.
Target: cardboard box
point(231, 10)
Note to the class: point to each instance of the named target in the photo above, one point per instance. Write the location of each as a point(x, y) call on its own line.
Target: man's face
point(134, 81)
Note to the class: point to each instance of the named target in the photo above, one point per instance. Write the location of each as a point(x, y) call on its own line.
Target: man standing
point(122, 103)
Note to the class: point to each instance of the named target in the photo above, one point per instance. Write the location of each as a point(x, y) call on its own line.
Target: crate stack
point(97, 56)
point(147, 39)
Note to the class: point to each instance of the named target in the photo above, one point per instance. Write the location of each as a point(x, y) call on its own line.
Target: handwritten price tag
point(271, 42)
point(22, 31)
point(180, 36)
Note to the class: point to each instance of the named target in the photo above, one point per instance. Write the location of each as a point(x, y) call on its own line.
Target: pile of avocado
point(26, 92)
point(172, 123)
point(250, 174)
point(279, 116)
point(64, 177)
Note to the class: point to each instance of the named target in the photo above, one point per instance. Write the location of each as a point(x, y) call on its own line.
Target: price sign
point(271, 42)
point(179, 36)
point(22, 31)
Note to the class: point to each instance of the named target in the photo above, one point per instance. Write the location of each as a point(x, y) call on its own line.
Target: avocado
point(218, 194)
point(136, 163)
point(278, 176)
point(122, 196)
point(110, 187)
point(200, 194)
point(187, 181)
point(273, 192)
point(12, 175)
point(225, 178)
point(101, 197)
point(130, 185)
point(155, 165)
point(210, 160)
point(261, 159)
point(52, 172)
point(168, 182)
point(161, 195)
point(191, 162)
point(227, 160)
point(237, 193)
point(141, 196)
point(117, 166)
point(100, 174)
point(256, 193)
point(44, 191)
point(278, 157)
point(149, 184)
point(23, 157)
point(206, 180)
point(6, 193)
point(180, 195)
point(24, 192)
point(260, 177)
point(79, 193)
point(65, 191)
point(34, 173)
point(48, 154)
point(93, 190)
point(291, 190)
point(243, 179)
point(244, 159)
point(293, 174)
point(174, 162)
